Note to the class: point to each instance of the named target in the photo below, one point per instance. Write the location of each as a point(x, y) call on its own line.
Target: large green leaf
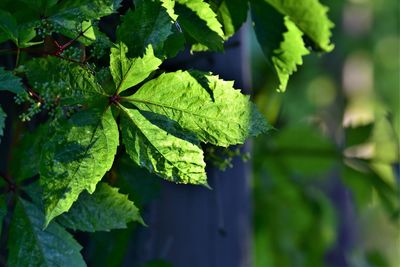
point(151, 23)
point(3, 116)
point(129, 72)
point(10, 82)
point(104, 210)
point(280, 40)
point(203, 104)
point(310, 16)
point(30, 245)
point(200, 22)
point(76, 157)
point(156, 143)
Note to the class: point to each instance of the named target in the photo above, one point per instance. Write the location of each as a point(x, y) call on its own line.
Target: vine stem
point(17, 57)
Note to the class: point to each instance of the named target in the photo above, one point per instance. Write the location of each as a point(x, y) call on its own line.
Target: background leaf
point(199, 21)
point(232, 14)
point(310, 16)
point(280, 40)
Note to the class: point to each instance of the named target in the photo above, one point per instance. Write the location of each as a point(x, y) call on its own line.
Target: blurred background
point(326, 182)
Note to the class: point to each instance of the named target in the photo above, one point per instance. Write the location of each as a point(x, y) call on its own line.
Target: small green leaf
point(129, 72)
point(104, 210)
point(157, 143)
point(76, 158)
point(280, 39)
point(30, 245)
point(9, 82)
point(310, 16)
point(209, 107)
point(199, 21)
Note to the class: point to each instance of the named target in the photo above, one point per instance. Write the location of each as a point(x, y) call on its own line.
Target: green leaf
point(280, 39)
point(8, 26)
point(104, 210)
point(199, 21)
point(9, 82)
point(129, 72)
point(310, 16)
point(68, 17)
point(30, 245)
point(151, 23)
point(157, 143)
point(10, 30)
point(232, 14)
point(3, 116)
point(209, 107)
point(76, 158)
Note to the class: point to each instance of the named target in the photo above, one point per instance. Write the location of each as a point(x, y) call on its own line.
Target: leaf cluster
point(102, 96)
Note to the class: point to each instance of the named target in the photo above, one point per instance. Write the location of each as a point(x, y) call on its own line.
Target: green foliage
point(83, 94)
point(279, 27)
point(340, 139)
